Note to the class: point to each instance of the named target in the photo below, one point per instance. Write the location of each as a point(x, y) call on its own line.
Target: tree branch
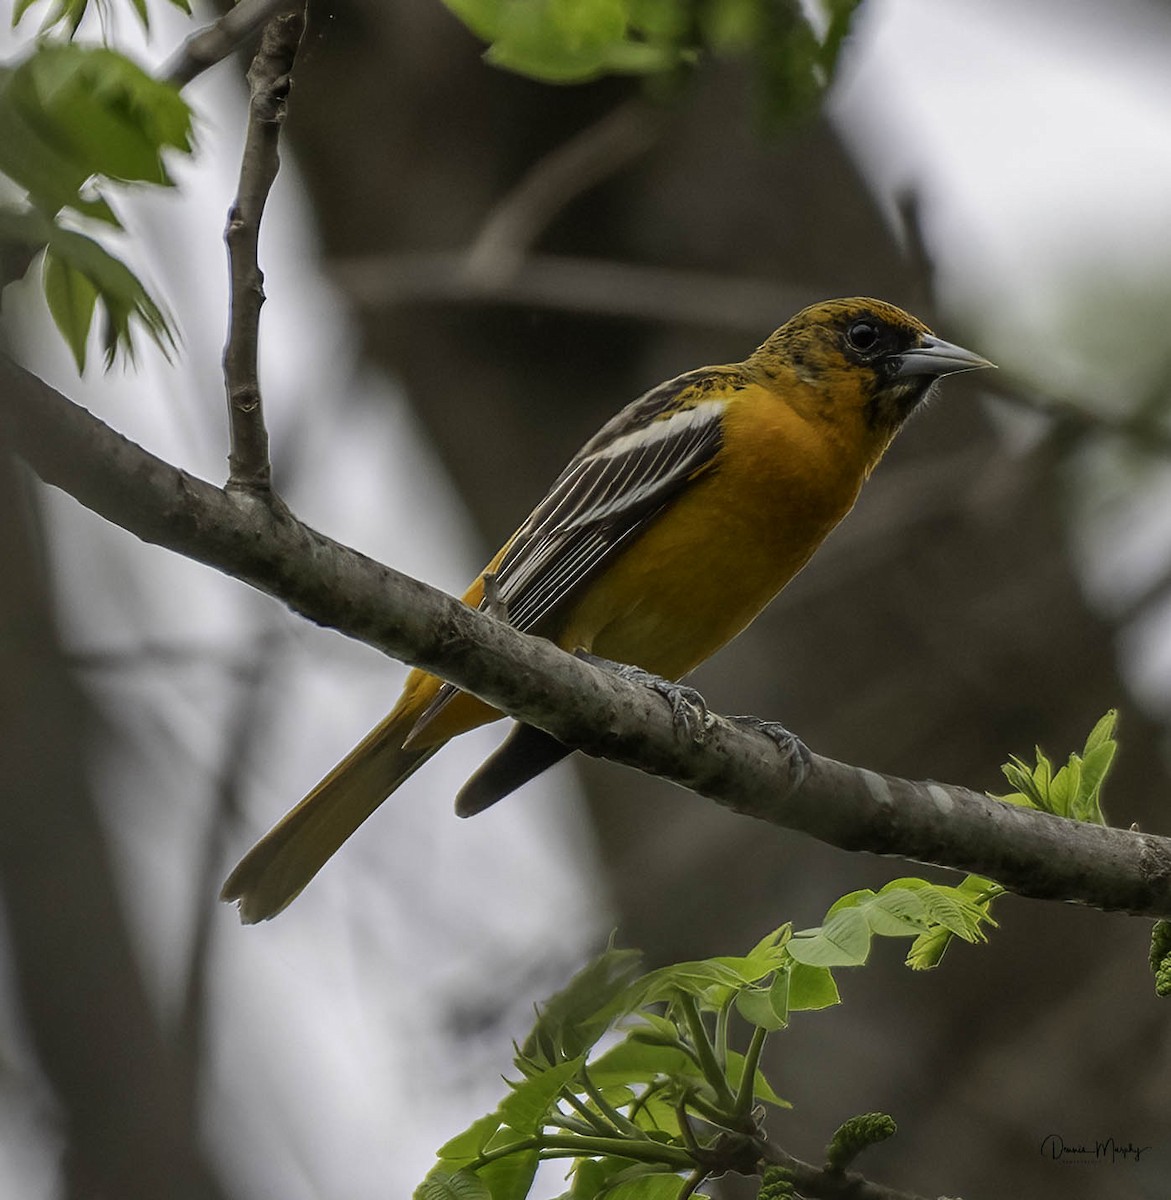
point(817, 1183)
point(561, 282)
point(1031, 853)
point(209, 45)
point(269, 80)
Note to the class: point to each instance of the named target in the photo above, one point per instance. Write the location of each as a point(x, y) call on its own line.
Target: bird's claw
point(689, 712)
point(796, 753)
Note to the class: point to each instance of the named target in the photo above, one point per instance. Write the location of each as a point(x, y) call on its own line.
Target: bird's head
point(845, 360)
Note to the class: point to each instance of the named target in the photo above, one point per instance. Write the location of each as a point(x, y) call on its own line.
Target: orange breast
point(721, 551)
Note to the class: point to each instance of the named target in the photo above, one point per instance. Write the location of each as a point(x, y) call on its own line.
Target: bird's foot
point(796, 753)
point(689, 712)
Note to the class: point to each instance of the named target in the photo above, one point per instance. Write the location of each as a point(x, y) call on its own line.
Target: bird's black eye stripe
point(863, 335)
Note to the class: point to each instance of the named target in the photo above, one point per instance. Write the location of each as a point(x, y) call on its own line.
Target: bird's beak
point(934, 356)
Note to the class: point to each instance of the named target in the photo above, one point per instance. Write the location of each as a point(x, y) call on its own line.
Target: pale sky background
point(1040, 138)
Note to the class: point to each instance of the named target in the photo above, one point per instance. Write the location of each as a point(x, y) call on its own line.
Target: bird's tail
point(273, 873)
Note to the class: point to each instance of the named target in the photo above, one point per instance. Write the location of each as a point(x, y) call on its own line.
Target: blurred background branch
point(127, 1098)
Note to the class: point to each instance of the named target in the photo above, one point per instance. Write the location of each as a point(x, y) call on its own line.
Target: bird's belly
point(688, 585)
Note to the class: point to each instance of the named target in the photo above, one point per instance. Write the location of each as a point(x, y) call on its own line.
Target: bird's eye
point(862, 336)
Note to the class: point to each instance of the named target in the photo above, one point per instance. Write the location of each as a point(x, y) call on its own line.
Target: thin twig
point(1073, 421)
point(580, 163)
point(214, 42)
point(1032, 853)
point(269, 79)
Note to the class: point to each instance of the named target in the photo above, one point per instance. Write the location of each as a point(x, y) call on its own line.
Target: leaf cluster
point(1073, 791)
point(793, 47)
point(77, 122)
point(70, 13)
point(636, 1078)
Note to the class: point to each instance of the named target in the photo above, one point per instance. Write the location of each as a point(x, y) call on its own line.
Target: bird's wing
point(611, 490)
point(616, 484)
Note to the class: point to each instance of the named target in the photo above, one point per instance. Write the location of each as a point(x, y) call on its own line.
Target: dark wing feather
point(610, 491)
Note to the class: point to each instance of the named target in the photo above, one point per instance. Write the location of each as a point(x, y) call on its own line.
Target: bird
point(663, 538)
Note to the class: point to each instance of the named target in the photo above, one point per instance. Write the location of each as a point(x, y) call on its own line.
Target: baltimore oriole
point(666, 534)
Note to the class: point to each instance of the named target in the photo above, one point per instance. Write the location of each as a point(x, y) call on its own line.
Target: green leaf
point(528, 1104)
point(656, 1186)
point(1042, 773)
point(122, 297)
point(68, 12)
point(467, 1146)
point(462, 1185)
point(946, 907)
point(766, 1007)
point(568, 41)
point(571, 1021)
point(897, 912)
point(1095, 767)
point(766, 955)
point(928, 949)
point(102, 111)
point(589, 1178)
point(850, 900)
point(1075, 791)
point(530, 42)
point(650, 1027)
point(1103, 732)
point(1064, 787)
point(972, 898)
point(843, 941)
point(49, 174)
point(71, 298)
point(511, 1177)
point(72, 12)
point(811, 988)
point(711, 980)
point(637, 1062)
point(592, 1177)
